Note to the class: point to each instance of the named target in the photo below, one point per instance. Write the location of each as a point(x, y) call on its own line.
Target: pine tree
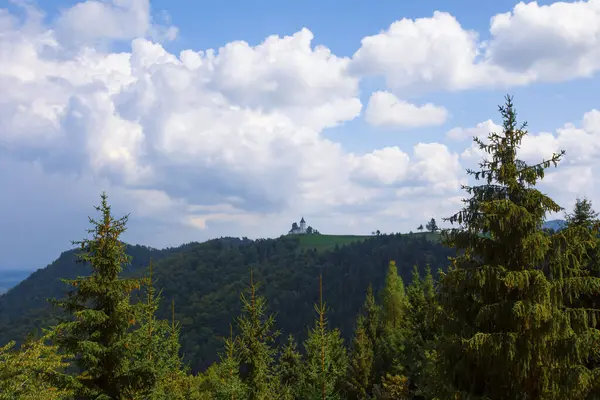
point(510, 333)
point(393, 325)
point(229, 385)
point(257, 340)
point(34, 372)
point(326, 358)
point(423, 332)
point(361, 368)
point(290, 373)
point(155, 346)
point(100, 317)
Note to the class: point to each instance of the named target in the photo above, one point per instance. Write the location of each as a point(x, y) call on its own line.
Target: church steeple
point(302, 225)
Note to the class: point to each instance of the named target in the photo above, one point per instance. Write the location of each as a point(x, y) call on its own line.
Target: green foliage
point(510, 332)
point(290, 370)
point(432, 225)
point(393, 324)
point(34, 372)
point(205, 280)
point(256, 341)
point(326, 358)
point(361, 365)
point(97, 329)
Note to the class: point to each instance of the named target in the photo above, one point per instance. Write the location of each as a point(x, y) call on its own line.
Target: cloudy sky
point(235, 118)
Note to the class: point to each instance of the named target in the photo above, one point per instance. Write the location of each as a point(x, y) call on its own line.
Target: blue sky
point(121, 96)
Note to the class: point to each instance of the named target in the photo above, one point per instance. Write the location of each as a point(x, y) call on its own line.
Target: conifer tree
point(361, 368)
point(100, 317)
point(257, 340)
point(393, 323)
point(326, 358)
point(155, 345)
point(423, 332)
point(290, 370)
point(510, 333)
point(34, 372)
point(229, 385)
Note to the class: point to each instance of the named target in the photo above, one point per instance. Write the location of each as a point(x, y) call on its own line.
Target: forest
point(496, 307)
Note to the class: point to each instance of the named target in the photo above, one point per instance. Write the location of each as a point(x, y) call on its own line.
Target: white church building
point(298, 229)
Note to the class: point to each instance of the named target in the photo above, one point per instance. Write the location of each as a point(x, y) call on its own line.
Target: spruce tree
point(361, 368)
point(97, 328)
point(155, 345)
point(422, 321)
point(290, 370)
point(393, 324)
point(326, 358)
point(229, 385)
point(510, 333)
point(257, 340)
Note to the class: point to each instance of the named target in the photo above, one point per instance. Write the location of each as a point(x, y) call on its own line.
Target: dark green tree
point(509, 332)
point(432, 225)
point(257, 349)
point(360, 367)
point(290, 370)
point(99, 320)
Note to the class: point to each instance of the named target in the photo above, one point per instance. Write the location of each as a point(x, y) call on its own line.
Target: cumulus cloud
point(385, 109)
point(531, 43)
point(212, 142)
point(481, 130)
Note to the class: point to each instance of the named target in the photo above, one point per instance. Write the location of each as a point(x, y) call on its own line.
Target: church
point(298, 229)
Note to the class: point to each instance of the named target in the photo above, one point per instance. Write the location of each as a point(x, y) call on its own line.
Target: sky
point(235, 118)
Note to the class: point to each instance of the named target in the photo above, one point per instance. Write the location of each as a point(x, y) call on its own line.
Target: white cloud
point(481, 130)
point(231, 141)
point(385, 109)
point(532, 43)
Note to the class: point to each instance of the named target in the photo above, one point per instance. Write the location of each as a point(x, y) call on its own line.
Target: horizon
point(231, 119)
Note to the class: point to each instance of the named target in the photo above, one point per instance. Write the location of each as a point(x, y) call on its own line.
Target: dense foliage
point(515, 316)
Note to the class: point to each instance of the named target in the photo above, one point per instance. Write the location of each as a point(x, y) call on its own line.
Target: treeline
point(515, 316)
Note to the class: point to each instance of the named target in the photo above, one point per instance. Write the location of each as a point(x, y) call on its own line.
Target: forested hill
point(205, 280)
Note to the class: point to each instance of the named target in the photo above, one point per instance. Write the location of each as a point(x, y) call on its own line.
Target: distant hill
point(205, 279)
point(555, 224)
point(10, 278)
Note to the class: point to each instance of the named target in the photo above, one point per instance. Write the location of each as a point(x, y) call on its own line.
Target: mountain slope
point(205, 279)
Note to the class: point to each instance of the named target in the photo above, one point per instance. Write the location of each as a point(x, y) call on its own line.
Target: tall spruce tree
point(326, 358)
point(510, 333)
point(257, 339)
point(97, 328)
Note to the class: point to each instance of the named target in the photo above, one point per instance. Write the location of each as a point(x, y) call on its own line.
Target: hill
point(11, 278)
point(555, 224)
point(205, 279)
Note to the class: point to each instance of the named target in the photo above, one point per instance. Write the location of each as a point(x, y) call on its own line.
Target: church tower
point(302, 225)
